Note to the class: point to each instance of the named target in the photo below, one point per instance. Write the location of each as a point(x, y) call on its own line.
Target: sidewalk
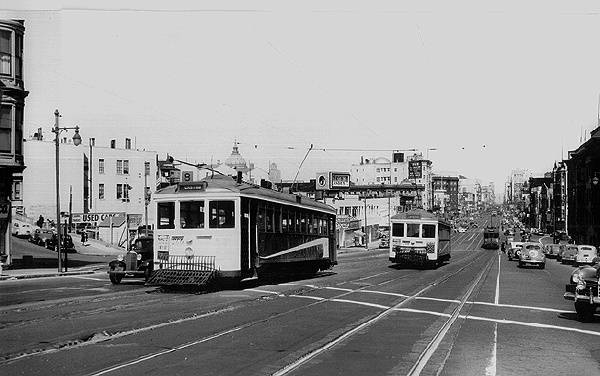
point(95, 247)
point(13, 274)
point(373, 246)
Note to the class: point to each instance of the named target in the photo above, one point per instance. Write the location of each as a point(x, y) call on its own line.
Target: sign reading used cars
point(93, 217)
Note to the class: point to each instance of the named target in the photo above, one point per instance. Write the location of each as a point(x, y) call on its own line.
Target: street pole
point(366, 235)
point(146, 170)
point(58, 235)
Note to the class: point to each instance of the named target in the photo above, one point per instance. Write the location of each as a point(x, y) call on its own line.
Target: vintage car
point(462, 229)
point(551, 250)
point(137, 263)
point(384, 242)
point(514, 250)
point(568, 253)
point(532, 254)
point(585, 255)
point(583, 290)
point(40, 236)
point(21, 229)
point(66, 243)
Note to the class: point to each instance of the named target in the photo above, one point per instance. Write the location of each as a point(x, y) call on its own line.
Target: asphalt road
point(476, 315)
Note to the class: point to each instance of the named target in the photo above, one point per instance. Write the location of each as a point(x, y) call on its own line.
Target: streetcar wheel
point(520, 264)
point(542, 266)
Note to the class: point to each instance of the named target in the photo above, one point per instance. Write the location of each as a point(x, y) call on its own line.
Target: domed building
point(236, 161)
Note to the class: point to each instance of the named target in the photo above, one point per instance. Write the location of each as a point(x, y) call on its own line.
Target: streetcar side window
point(398, 229)
point(269, 219)
point(260, 221)
point(222, 214)
point(303, 222)
point(412, 230)
point(428, 231)
point(277, 218)
point(166, 215)
point(284, 219)
point(191, 214)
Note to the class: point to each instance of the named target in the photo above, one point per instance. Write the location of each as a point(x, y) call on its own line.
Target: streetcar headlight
point(120, 258)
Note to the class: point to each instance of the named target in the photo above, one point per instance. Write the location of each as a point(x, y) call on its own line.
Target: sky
point(491, 86)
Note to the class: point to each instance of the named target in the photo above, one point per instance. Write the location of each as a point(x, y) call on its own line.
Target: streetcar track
point(281, 314)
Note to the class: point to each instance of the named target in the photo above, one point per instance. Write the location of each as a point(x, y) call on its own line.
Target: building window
point(5, 52)
point(6, 129)
point(147, 168)
point(119, 167)
point(17, 190)
point(19, 130)
point(100, 166)
point(126, 167)
point(101, 191)
point(128, 143)
point(19, 55)
point(119, 191)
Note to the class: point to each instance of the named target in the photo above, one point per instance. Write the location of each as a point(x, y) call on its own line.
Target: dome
point(235, 160)
point(381, 160)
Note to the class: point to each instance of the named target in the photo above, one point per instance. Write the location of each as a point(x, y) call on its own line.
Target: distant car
point(551, 250)
point(384, 242)
point(532, 254)
point(586, 254)
point(462, 229)
point(569, 254)
point(66, 243)
point(514, 250)
point(137, 263)
point(40, 236)
point(21, 229)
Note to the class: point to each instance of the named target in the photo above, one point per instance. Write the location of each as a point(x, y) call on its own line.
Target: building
point(583, 191)
point(539, 213)
point(12, 103)
point(559, 196)
point(445, 188)
point(398, 171)
point(517, 178)
point(93, 179)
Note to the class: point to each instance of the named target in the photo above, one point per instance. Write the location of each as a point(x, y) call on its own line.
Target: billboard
point(94, 217)
point(415, 169)
point(332, 180)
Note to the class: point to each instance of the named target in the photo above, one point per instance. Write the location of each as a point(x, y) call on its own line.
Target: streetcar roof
point(416, 214)
point(220, 182)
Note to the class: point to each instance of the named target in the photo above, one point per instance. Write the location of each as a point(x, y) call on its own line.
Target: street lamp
point(76, 141)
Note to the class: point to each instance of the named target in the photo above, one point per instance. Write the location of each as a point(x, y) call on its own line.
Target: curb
point(31, 276)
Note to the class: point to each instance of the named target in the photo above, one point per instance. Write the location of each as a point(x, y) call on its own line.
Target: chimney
point(239, 177)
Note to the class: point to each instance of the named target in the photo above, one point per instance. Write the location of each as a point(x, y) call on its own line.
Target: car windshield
point(533, 247)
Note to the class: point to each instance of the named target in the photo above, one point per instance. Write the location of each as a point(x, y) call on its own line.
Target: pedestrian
point(40, 222)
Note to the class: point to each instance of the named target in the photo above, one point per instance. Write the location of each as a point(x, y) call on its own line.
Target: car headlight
point(576, 278)
point(120, 258)
point(139, 256)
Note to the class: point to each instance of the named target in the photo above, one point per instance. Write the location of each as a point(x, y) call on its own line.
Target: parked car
point(569, 254)
point(514, 250)
point(66, 243)
point(40, 236)
point(582, 288)
point(462, 229)
point(137, 263)
point(585, 255)
point(21, 229)
point(551, 250)
point(532, 254)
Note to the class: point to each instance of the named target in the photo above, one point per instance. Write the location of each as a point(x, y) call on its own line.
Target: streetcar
point(224, 227)
point(491, 238)
point(419, 238)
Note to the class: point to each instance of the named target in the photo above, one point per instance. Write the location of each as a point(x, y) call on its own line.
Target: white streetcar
point(224, 226)
point(419, 238)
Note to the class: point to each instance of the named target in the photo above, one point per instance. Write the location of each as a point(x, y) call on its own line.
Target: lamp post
point(76, 141)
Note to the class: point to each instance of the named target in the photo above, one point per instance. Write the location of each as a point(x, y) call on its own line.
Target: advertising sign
point(322, 181)
point(94, 217)
point(339, 180)
point(415, 170)
point(134, 220)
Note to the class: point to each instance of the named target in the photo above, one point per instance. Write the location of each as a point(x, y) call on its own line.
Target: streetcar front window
point(222, 214)
point(398, 229)
point(412, 230)
point(429, 231)
point(166, 215)
point(191, 214)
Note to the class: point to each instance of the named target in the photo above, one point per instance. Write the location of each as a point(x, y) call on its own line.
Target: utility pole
point(146, 172)
point(58, 235)
point(366, 234)
point(70, 209)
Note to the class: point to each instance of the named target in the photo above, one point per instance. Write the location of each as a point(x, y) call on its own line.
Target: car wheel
point(520, 264)
point(115, 279)
point(585, 311)
point(542, 266)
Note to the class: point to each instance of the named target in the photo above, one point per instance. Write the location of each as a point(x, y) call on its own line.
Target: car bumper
point(127, 273)
point(584, 298)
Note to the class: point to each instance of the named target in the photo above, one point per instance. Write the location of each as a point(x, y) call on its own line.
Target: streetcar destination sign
point(93, 217)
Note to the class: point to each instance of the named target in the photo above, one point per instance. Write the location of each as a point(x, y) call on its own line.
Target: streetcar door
point(245, 235)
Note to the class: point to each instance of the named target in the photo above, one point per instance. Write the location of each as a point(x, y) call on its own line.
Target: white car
point(585, 255)
point(462, 229)
point(21, 229)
